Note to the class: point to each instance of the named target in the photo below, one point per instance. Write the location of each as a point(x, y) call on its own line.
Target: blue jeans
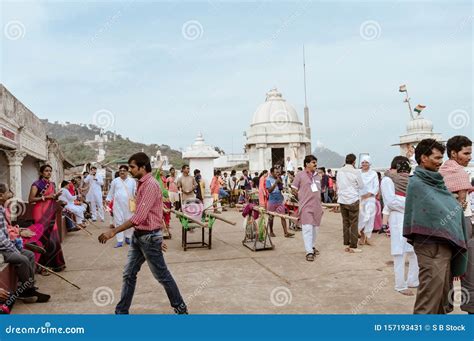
point(148, 247)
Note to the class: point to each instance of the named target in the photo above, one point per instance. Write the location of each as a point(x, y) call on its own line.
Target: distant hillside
point(71, 138)
point(328, 158)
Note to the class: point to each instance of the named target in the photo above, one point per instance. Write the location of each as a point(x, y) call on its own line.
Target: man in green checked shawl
point(435, 225)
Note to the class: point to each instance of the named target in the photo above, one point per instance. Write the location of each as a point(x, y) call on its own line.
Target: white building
point(418, 128)
point(277, 133)
point(24, 147)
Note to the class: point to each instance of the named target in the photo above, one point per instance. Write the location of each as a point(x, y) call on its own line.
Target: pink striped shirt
point(149, 213)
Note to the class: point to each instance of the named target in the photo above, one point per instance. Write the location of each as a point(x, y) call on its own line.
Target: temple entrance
point(278, 157)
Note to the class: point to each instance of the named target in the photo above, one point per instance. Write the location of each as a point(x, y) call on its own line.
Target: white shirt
point(289, 166)
point(66, 196)
point(390, 199)
point(95, 183)
point(349, 185)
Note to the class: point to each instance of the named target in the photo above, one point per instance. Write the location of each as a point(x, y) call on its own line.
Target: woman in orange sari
point(43, 195)
point(262, 191)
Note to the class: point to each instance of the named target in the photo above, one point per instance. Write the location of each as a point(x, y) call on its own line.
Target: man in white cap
point(367, 200)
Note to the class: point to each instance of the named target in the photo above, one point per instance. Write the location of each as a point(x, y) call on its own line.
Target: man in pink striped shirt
point(147, 240)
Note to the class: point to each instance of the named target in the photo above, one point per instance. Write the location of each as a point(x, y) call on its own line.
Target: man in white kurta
point(94, 195)
point(68, 198)
point(367, 200)
point(400, 248)
point(122, 189)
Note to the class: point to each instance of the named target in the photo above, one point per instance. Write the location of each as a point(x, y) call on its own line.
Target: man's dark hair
point(85, 173)
point(172, 168)
point(197, 171)
point(350, 159)
point(329, 170)
point(3, 188)
point(116, 175)
point(184, 166)
point(457, 143)
point(272, 170)
point(425, 147)
point(308, 159)
point(233, 171)
point(141, 160)
point(300, 168)
point(397, 160)
point(256, 173)
point(93, 167)
point(323, 169)
point(244, 171)
point(123, 167)
point(64, 183)
point(217, 172)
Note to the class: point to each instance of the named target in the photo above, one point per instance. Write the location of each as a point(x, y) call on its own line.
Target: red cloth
point(149, 214)
point(71, 188)
point(455, 177)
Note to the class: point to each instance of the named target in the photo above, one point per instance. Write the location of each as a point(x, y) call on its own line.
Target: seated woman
point(72, 205)
point(43, 196)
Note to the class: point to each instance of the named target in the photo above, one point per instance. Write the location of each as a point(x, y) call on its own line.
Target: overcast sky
point(160, 72)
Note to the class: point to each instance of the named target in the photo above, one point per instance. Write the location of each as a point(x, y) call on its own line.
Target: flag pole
point(407, 99)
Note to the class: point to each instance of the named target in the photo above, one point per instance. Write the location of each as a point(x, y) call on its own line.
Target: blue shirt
point(274, 197)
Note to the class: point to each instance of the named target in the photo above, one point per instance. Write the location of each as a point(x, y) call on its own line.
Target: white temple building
point(418, 128)
point(277, 133)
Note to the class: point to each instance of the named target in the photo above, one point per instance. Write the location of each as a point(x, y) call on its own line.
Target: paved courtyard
point(230, 278)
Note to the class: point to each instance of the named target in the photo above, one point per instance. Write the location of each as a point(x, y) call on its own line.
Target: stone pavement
point(230, 278)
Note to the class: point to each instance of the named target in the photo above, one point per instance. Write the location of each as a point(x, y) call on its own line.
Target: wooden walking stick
point(77, 225)
point(56, 274)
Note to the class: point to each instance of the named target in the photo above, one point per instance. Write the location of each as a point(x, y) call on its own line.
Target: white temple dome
point(419, 124)
point(275, 109)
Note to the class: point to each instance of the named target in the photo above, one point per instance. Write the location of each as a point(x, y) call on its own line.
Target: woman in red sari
point(43, 195)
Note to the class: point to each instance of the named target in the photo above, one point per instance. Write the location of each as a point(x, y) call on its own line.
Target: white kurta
point(396, 206)
point(368, 207)
point(120, 192)
point(77, 210)
point(398, 244)
point(94, 195)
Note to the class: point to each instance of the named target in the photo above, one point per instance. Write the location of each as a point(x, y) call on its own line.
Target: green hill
point(71, 138)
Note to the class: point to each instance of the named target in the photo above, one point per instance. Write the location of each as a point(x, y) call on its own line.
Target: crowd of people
point(425, 210)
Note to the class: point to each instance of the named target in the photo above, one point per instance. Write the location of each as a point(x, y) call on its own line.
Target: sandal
point(289, 235)
point(315, 251)
point(310, 257)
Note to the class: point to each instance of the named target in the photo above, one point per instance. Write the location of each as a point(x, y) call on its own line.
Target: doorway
point(278, 157)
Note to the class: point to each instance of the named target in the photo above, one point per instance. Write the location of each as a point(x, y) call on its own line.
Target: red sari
point(262, 192)
point(46, 229)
